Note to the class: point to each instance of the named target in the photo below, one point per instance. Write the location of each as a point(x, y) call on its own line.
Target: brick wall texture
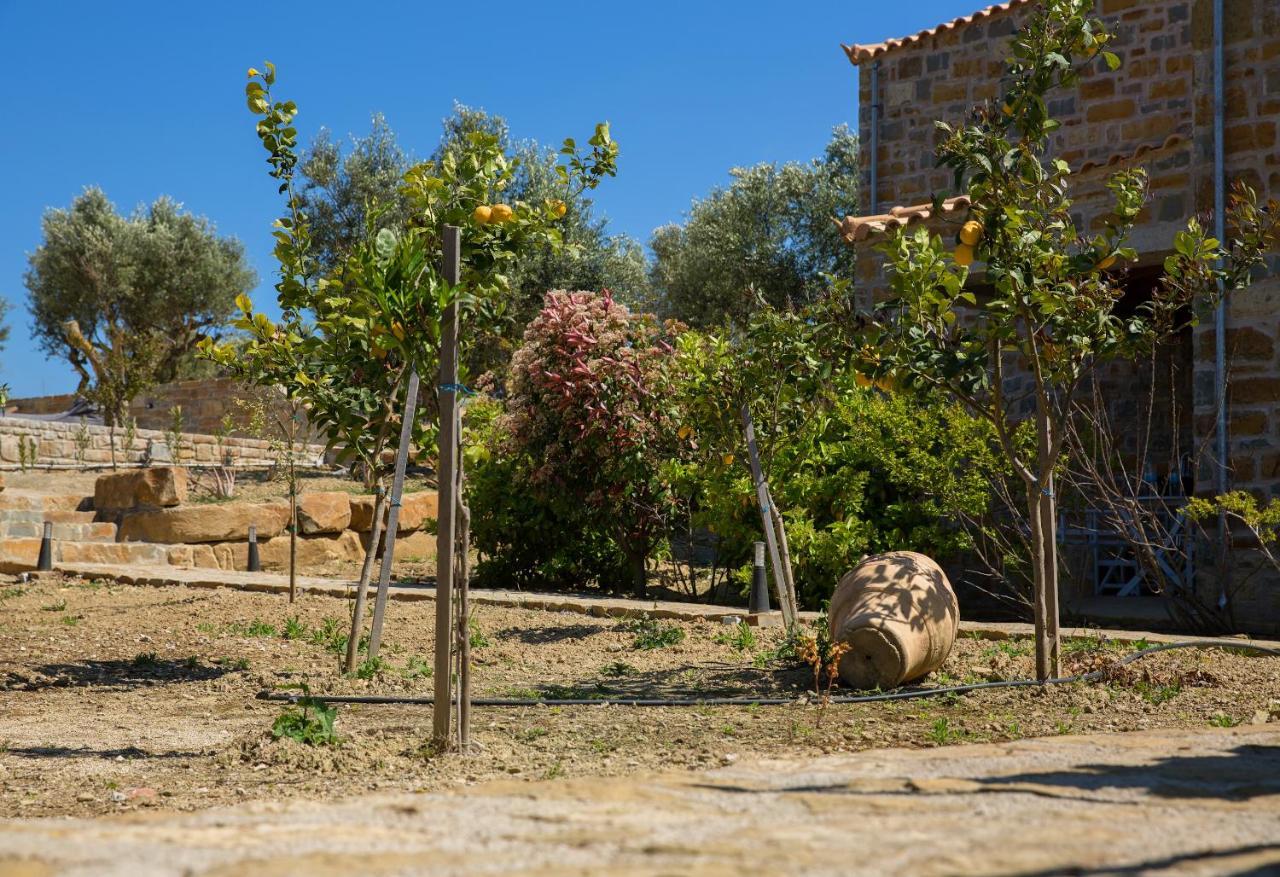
point(1156, 111)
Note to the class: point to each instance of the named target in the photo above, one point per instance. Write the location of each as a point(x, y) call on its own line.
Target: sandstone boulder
point(224, 522)
point(158, 487)
point(416, 509)
point(324, 513)
point(410, 547)
point(18, 555)
point(314, 552)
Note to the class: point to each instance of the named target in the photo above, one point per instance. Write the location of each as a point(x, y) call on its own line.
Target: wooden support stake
point(463, 584)
point(362, 586)
point(446, 475)
point(788, 573)
point(393, 513)
point(770, 533)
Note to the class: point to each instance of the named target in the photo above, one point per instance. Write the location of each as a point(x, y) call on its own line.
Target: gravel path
point(1154, 802)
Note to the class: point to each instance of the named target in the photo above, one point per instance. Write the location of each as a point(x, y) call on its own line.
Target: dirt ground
point(115, 698)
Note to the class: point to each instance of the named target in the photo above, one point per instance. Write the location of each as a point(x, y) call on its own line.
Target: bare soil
point(115, 698)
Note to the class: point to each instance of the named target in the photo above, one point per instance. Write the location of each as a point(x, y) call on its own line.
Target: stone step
point(30, 500)
point(21, 555)
point(57, 516)
point(61, 532)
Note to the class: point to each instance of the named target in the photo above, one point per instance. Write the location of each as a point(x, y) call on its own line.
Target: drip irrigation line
point(899, 694)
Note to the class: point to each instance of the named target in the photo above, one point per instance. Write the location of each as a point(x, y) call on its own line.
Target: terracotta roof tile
point(1144, 149)
point(858, 228)
point(855, 229)
point(860, 53)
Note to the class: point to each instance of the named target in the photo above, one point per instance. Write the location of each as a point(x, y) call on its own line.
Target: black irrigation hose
point(900, 694)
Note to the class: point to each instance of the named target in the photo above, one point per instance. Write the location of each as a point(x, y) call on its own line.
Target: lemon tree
point(350, 333)
point(1048, 308)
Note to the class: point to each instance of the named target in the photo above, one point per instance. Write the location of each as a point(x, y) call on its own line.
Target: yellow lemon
point(964, 255)
point(684, 432)
point(728, 459)
point(559, 208)
point(398, 331)
point(971, 233)
point(378, 352)
point(1007, 110)
point(481, 214)
point(1107, 262)
point(500, 213)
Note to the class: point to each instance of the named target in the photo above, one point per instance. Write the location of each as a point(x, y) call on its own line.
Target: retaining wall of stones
point(72, 445)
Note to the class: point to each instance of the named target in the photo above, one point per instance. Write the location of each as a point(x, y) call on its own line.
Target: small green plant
point(83, 439)
point(10, 592)
point(1222, 720)
point(130, 435)
point(1062, 728)
point(192, 662)
point(523, 693)
point(370, 668)
point(28, 453)
point(555, 771)
point(742, 637)
point(330, 635)
point(294, 628)
point(1157, 694)
point(257, 627)
point(174, 433)
point(941, 733)
point(310, 722)
point(619, 669)
point(145, 659)
point(71, 620)
point(1012, 648)
point(528, 735)
point(651, 634)
point(60, 606)
point(207, 627)
point(476, 636)
point(418, 668)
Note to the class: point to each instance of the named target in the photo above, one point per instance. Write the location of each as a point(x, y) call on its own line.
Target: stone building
point(1164, 109)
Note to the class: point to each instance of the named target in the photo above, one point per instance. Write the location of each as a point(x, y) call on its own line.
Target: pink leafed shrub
point(588, 409)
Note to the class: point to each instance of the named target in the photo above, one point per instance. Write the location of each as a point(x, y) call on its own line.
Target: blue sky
point(146, 98)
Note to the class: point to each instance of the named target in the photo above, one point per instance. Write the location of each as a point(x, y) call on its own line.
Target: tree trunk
point(293, 544)
point(636, 572)
point(1042, 507)
point(362, 586)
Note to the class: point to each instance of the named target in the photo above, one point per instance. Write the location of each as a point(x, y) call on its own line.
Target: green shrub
point(855, 470)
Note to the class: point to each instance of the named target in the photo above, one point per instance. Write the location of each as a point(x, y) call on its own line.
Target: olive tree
point(766, 238)
point(125, 299)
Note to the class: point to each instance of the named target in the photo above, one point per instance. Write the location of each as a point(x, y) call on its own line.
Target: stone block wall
point(204, 404)
point(60, 445)
point(1157, 112)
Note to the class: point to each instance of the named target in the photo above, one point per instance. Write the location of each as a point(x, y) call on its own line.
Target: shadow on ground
point(139, 672)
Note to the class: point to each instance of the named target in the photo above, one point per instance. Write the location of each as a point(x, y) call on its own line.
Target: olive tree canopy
point(124, 299)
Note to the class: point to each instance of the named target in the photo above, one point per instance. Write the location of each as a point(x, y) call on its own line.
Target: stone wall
point(59, 445)
point(204, 404)
point(1156, 112)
